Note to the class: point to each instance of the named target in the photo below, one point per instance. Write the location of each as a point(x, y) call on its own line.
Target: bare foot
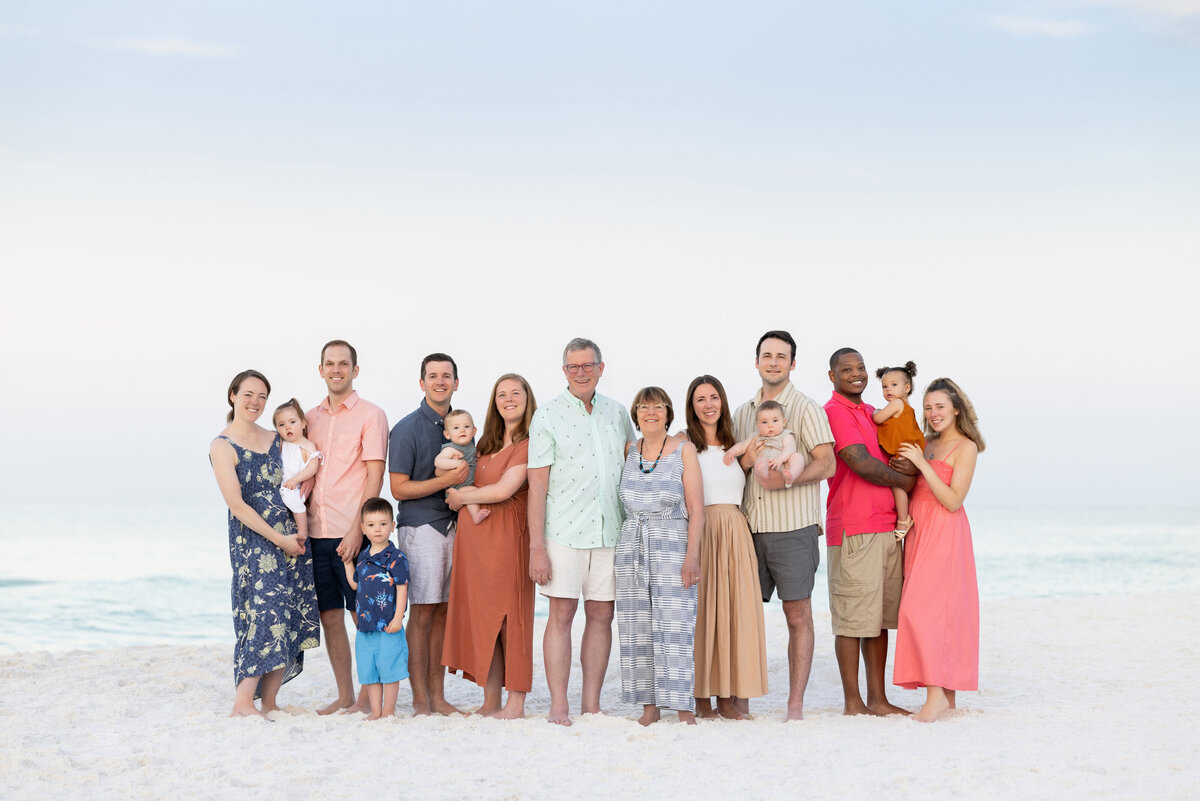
point(247, 712)
point(559, 716)
point(687, 718)
point(421, 709)
point(481, 515)
point(651, 714)
point(727, 710)
point(787, 478)
point(487, 710)
point(374, 715)
point(742, 705)
point(336, 706)
point(934, 708)
point(357, 707)
point(887, 708)
point(798, 714)
point(704, 708)
point(508, 714)
point(270, 708)
point(856, 707)
point(444, 707)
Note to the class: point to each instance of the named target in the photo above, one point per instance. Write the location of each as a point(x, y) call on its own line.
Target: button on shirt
point(378, 575)
point(413, 445)
point(350, 436)
point(799, 506)
point(855, 505)
point(585, 454)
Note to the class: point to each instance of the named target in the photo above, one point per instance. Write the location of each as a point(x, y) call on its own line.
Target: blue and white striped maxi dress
point(656, 616)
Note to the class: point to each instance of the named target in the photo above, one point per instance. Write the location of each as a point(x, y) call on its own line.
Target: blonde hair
point(457, 413)
point(966, 421)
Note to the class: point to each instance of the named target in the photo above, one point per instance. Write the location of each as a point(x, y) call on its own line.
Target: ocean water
point(114, 576)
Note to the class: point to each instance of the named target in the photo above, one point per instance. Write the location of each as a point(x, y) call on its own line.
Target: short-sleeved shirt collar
point(842, 400)
point(430, 414)
point(785, 396)
point(349, 402)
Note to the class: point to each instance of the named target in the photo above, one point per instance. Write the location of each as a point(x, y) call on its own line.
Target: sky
point(1004, 192)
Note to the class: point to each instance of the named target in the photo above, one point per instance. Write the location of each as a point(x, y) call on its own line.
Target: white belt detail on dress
point(641, 553)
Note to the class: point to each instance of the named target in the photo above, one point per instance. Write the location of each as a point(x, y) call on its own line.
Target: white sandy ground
point(1083, 698)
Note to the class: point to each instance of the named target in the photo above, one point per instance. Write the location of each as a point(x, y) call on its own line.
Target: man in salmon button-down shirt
point(351, 433)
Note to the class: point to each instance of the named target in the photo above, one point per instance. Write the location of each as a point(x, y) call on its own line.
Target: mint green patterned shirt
point(585, 454)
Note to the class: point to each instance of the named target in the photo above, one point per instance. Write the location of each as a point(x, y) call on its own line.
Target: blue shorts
point(382, 657)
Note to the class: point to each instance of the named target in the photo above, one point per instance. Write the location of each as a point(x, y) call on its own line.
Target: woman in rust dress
point(489, 624)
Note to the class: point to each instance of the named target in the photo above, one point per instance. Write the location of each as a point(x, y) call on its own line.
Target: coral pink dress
point(937, 641)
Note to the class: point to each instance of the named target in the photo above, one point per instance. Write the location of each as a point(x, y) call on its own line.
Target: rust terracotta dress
point(490, 584)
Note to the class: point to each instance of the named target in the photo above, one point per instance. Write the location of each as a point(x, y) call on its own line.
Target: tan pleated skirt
point(731, 648)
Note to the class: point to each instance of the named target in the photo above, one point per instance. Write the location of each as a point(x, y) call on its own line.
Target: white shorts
point(576, 571)
point(428, 553)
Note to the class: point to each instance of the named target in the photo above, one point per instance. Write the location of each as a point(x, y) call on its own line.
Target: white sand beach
point(1080, 698)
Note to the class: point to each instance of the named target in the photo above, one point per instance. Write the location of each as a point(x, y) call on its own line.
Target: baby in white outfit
point(300, 460)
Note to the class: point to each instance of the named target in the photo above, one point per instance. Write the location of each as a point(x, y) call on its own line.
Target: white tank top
point(722, 483)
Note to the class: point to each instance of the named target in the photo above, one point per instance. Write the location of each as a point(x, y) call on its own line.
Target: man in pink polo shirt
point(352, 435)
point(866, 569)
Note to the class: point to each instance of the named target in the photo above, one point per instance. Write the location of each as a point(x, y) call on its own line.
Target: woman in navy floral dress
point(274, 600)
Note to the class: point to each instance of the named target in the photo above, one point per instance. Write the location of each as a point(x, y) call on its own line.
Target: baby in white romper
point(300, 460)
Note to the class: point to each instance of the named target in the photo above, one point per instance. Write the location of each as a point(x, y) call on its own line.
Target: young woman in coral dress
point(937, 641)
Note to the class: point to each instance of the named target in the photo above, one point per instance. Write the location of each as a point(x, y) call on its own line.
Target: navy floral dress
point(274, 598)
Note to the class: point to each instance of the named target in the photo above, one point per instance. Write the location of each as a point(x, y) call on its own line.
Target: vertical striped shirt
point(799, 506)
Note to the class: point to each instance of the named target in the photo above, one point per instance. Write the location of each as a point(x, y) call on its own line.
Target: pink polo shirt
point(349, 437)
point(855, 505)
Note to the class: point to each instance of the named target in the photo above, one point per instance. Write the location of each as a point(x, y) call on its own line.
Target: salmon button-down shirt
point(349, 436)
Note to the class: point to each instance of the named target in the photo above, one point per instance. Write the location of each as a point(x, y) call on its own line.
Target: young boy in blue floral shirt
point(380, 579)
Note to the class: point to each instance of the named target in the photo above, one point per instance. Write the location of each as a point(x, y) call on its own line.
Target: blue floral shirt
point(378, 575)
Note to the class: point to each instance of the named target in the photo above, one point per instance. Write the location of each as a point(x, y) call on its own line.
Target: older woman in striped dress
point(658, 563)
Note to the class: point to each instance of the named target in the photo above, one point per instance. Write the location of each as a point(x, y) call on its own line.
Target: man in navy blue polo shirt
point(425, 529)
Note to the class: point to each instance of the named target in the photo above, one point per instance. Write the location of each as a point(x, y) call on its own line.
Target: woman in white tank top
point(731, 657)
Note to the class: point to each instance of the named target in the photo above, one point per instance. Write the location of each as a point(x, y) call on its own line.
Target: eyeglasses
point(651, 407)
point(587, 367)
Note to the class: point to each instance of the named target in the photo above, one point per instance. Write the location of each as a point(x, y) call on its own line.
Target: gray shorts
point(428, 552)
point(787, 562)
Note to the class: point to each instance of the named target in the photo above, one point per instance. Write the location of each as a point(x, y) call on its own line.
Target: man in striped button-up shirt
point(786, 522)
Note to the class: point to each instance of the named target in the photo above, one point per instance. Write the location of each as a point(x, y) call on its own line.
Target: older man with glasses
point(576, 452)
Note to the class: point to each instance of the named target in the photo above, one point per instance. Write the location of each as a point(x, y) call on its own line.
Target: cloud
point(1179, 19)
point(1048, 28)
point(170, 47)
point(1166, 10)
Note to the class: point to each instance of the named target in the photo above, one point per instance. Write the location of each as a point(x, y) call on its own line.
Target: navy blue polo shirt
point(412, 446)
point(378, 575)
